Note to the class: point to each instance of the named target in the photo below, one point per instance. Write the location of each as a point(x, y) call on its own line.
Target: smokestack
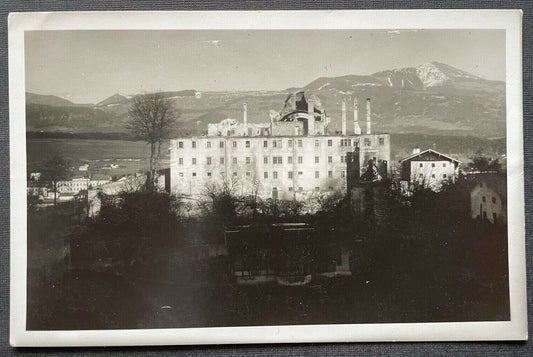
point(245, 113)
point(356, 127)
point(311, 112)
point(343, 117)
point(368, 117)
point(271, 124)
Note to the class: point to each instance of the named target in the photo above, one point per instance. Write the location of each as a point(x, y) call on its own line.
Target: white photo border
point(509, 20)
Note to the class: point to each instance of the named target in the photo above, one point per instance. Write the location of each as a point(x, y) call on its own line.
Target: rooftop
point(429, 154)
point(302, 115)
point(100, 177)
point(332, 135)
point(494, 181)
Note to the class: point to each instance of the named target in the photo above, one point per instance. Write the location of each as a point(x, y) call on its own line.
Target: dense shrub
point(132, 228)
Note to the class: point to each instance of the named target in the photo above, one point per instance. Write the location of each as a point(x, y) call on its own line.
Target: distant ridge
point(121, 99)
point(180, 93)
point(426, 75)
point(50, 100)
point(114, 99)
point(432, 74)
point(431, 98)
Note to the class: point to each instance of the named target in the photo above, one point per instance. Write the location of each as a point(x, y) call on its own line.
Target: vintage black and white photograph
point(193, 178)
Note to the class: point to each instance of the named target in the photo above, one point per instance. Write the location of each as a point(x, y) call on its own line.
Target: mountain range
point(433, 98)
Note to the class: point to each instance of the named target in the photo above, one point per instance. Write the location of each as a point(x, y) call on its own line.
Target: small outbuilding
point(488, 197)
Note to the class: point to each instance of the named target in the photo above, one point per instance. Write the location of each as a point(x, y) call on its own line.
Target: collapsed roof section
point(298, 103)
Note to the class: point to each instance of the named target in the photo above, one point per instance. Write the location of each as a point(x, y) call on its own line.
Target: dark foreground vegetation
point(144, 263)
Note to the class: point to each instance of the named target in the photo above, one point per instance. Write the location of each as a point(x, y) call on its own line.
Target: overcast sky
point(89, 66)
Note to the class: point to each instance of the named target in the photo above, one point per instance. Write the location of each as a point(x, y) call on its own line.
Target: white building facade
point(291, 157)
point(488, 198)
point(281, 167)
point(74, 186)
point(429, 169)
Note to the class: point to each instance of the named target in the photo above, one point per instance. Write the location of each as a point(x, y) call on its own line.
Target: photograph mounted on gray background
point(284, 179)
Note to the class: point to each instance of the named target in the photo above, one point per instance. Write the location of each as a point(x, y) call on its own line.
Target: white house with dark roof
point(428, 168)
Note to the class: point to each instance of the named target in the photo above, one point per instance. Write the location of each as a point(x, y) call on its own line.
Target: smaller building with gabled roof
point(428, 168)
point(488, 197)
point(98, 180)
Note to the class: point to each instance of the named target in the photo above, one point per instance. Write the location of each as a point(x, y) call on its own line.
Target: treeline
point(422, 258)
point(89, 135)
point(419, 258)
point(468, 145)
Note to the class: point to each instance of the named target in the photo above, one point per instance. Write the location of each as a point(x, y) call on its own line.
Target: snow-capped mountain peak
point(436, 74)
point(427, 75)
point(430, 75)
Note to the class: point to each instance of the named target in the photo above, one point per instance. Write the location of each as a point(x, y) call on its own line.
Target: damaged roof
point(298, 102)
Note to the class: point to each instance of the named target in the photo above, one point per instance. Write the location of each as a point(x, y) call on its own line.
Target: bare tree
point(255, 184)
point(331, 201)
point(223, 198)
point(151, 116)
point(134, 183)
point(53, 170)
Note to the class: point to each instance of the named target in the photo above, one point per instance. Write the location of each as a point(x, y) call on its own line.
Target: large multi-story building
point(293, 156)
point(77, 184)
point(73, 186)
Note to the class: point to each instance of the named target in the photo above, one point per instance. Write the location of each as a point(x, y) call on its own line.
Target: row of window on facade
point(275, 174)
point(432, 164)
point(71, 184)
point(421, 175)
point(276, 160)
point(291, 189)
point(484, 199)
point(278, 143)
point(276, 191)
point(494, 216)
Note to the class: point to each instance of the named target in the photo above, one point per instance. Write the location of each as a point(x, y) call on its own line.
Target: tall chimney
point(368, 117)
point(343, 117)
point(356, 127)
point(245, 113)
point(271, 125)
point(311, 112)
